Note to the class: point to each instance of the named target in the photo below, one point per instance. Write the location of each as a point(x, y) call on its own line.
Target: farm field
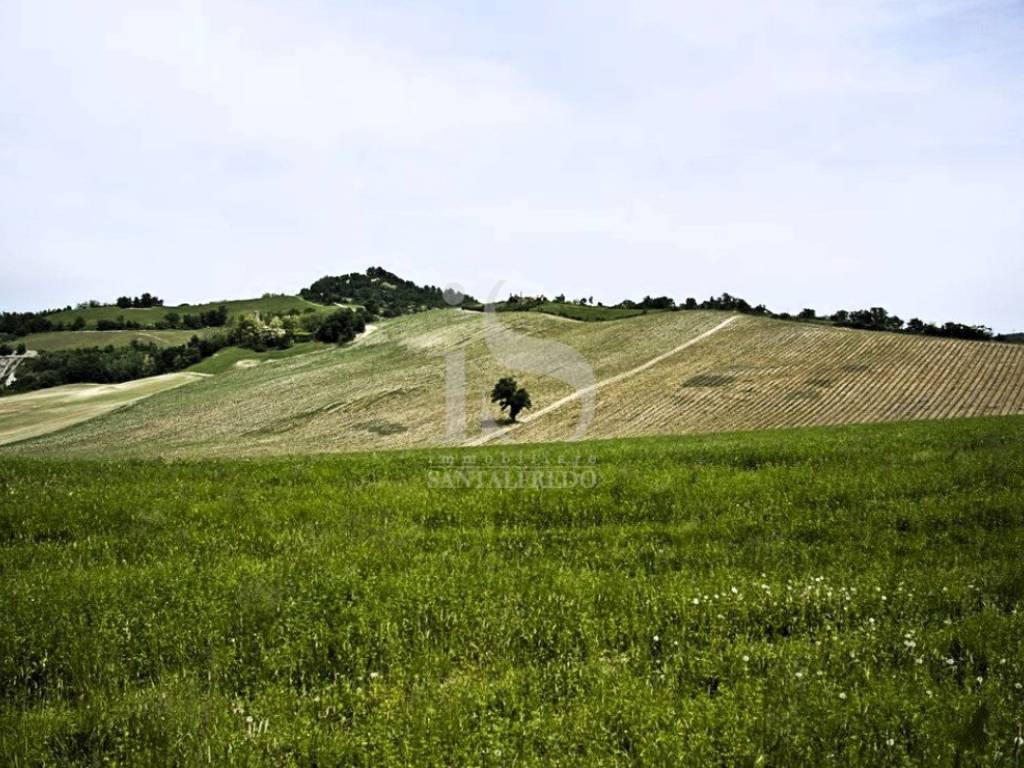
point(58, 340)
point(845, 595)
point(149, 315)
point(49, 410)
point(762, 374)
point(589, 313)
point(388, 390)
point(585, 313)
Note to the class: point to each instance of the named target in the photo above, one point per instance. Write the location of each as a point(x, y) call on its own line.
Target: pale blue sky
point(795, 153)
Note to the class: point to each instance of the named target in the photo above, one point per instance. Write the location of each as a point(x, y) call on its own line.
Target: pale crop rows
point(776, 374)
point(388, 390)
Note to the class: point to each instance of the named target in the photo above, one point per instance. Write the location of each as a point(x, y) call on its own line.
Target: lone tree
point(511, 396)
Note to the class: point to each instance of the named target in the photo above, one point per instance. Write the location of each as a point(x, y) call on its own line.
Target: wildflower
point(656, 638)
point(799, 675)
point(734, 590)
point(950, 662)
point(891, 742)
point(980, 679)
point(842, 696)
point(1018, 686)
point(696, 601)
point(746, 659)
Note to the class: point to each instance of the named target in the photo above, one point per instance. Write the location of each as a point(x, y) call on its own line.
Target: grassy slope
point(57, 340)
point(232, 357)
point(759, 373)
point(272, 305)
point(845, 595)
point(388, 390)
point(49, 410)
point(587, 313)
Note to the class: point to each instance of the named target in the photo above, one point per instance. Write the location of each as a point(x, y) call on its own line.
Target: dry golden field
point(388, 389)
point(760, 374)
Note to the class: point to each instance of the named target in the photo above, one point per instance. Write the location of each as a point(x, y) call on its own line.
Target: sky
point(798, 154)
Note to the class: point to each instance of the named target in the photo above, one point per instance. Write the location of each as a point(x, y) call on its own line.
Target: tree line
point(872, 319)
point(144, 301)
point(381, 292)
point(111, 365)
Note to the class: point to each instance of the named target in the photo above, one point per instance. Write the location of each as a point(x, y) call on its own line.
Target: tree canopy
point(511, 397)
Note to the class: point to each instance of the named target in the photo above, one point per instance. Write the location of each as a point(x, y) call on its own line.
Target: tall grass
point(831, 596)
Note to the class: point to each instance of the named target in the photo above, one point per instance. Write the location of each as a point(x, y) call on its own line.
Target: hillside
point(48, 410)
point(377, 289)
point(270, 305)
point(387, 390)
point(58, 340)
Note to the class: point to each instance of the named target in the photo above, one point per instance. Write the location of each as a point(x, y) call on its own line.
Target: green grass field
point(847, 595)
point(274, 305)
point(240, 357)
point(58, 340)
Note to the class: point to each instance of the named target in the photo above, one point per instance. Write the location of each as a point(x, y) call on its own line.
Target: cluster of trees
point(110, 365)
point(14, 324)
point(280, 331)
point(379, 291)
point(103, 324)
point(144, 301)
point(510, 397)
point(252, 332)
point(210, 318)
point(341, 326)
point(7, 349)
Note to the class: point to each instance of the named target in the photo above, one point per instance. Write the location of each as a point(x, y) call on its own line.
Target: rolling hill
point(149, 315)
point(660, 373)
point(57, 340)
